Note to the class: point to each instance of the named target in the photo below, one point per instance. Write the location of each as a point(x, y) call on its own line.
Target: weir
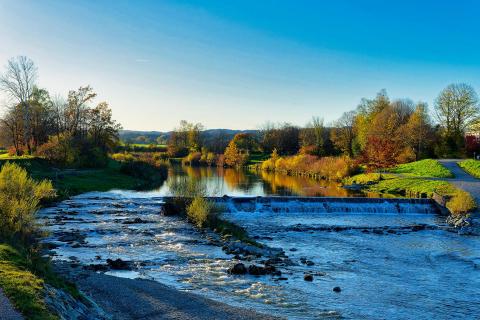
point(352, 205)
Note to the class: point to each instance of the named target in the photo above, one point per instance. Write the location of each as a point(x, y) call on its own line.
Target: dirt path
point(7, 312)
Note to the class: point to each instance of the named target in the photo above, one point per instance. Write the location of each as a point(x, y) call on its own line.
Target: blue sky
point(238, 64)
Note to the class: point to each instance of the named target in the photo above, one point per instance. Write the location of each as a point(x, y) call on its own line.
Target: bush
point(192, 159)
point(59, 150)
point(199, 211)
point(144, 170)
point(20, 197)
point(461, 203)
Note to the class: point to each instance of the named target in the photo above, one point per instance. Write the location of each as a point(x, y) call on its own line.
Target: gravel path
point(7, 312)
point(145, 299)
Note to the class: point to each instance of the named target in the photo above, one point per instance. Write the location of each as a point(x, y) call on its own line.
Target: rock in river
point(308, 277)
point(118, 264)
point(238, 268)
point(337, 289)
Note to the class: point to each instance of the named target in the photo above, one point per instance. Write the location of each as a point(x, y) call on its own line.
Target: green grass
point(257, 157)
point(472, 167)
point(72, 182)
point(368, 178)
point(6, 156)
point(423, 168)
point(24, 288)
point(413, 187)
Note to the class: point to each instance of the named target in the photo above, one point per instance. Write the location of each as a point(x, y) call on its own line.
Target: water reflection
point(243, 182)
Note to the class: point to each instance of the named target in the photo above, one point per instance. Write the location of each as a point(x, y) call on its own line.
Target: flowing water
point(391, 260)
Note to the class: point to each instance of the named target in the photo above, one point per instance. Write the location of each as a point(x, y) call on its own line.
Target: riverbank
point(123, 298)
point(27, 278)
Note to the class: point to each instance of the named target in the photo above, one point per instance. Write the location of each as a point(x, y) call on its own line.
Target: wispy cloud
point(141, 60)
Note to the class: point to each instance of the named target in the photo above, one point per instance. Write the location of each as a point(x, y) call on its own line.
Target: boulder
point(238, 268)
point(308, 277)
point(118, 264)
point(256, 270)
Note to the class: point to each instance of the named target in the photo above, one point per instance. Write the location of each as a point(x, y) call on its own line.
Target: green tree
point(456, 109)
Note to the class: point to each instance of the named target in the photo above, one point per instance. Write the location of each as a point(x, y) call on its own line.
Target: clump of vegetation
point(461, 203)
point(471, 166)
point(199, 211)
point(20, 197)
point(331, 168)
point(423, 168)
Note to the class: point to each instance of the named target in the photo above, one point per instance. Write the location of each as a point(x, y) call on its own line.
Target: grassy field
point(471, 166)
point(423, 168)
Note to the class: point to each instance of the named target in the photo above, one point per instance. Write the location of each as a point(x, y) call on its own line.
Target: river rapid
point(391, 262)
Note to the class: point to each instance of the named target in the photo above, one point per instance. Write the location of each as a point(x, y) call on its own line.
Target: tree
point(18, 82)
point(343, 133)
point(456, 109)
point(418, 132)
point(234, 156)
point(314, 136)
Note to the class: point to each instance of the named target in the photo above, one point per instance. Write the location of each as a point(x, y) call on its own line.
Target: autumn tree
point(417, 132)
point(234, 156)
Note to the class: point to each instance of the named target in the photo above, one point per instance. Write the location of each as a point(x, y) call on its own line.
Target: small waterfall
point(327, 205)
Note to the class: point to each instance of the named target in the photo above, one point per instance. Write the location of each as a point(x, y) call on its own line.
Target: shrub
point(20, 197)
point(144, 170)
point(461, 203)
point(59, 150)
point(192, 159)
point(199, 211)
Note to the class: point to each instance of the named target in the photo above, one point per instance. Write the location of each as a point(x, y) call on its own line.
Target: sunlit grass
point(423, 168)
point(471, 166)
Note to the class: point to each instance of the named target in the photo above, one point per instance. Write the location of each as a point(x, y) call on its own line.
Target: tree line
point(379, 132)
point(68, 131)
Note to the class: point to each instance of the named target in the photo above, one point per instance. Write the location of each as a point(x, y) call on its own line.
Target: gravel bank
point(144, 299)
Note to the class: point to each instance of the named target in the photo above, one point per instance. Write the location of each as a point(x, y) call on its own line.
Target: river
point(385, 266)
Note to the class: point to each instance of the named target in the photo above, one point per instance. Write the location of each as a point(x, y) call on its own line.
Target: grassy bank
point(23, 272)
point(70, 182)
point(471, 166)
point(423, 168)
point(457, 201)
point(22, 278)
